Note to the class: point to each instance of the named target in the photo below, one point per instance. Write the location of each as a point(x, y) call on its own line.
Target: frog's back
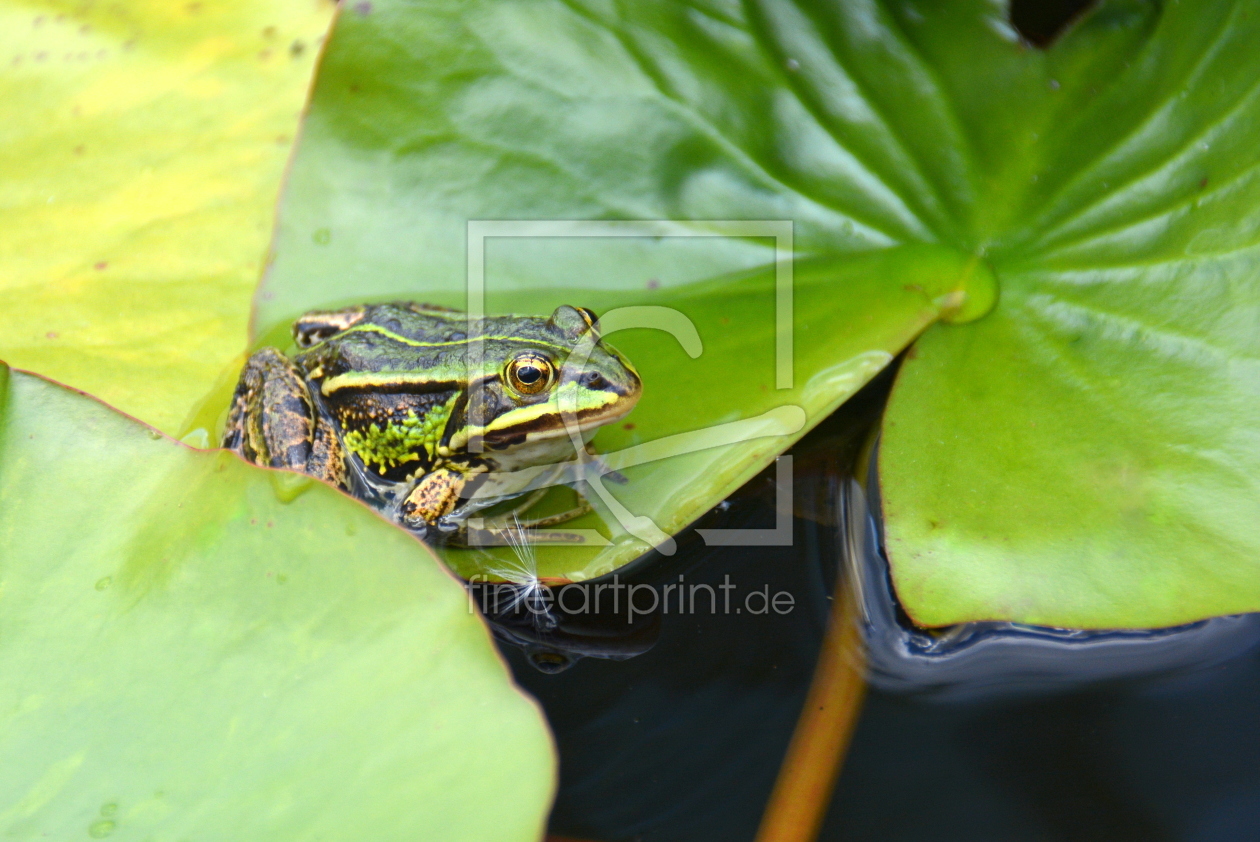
point(421, 324)
point(406, 338)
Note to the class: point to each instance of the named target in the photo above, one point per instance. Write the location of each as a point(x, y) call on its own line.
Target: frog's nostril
point(593, 380)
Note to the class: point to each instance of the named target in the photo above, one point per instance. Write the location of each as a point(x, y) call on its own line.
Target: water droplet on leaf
point(198, 438)
point(289, 486)
point(101, 829)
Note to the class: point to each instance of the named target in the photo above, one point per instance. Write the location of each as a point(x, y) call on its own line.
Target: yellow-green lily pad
point(187, 653)
point(141, 154)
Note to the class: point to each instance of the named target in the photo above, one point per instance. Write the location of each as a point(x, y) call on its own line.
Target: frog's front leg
point(436, 495)
point(273, 422)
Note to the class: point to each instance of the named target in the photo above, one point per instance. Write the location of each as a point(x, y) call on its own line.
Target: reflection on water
point(684, 741)
point(1022, 733)
point(538, 620)
point(987, 659)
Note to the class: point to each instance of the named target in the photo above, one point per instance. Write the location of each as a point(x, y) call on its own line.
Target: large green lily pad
point(1081, 457)
point(376, 214)
point(186, 655)
point(676, 455)
point(141, 153)
point(1088, 455)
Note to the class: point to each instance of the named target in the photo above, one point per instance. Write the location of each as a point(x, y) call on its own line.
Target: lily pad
point(1088, 455)
point(1108, 183)
point(186, 655)
point(143, 148)
point(677, 455)
point(375, 214)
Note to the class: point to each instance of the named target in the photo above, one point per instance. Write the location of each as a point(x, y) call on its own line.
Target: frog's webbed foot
point(558, 518)
point(513, 516)
point(433, 510)
point(271, 421)
point(436, 495)
point(512, 528)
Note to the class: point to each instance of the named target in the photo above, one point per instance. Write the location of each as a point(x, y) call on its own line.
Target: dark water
point(683, 742)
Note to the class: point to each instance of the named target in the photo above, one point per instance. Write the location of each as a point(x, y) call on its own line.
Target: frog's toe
point(434, 497)
point(448, 525)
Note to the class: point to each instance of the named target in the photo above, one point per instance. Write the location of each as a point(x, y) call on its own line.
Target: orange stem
point(808, 775)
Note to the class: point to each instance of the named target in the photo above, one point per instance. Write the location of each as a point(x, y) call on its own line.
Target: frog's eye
point(529, 373)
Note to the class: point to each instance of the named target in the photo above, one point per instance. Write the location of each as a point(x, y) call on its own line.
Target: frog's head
point(545, 381)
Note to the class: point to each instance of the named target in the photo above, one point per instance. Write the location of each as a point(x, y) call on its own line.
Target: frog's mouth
point(557, 425)
point(609, 403)
point(556, 421)
point(579, 406)
point(589, 419)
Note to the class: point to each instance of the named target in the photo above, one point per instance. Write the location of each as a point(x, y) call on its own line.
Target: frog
point(411, 406)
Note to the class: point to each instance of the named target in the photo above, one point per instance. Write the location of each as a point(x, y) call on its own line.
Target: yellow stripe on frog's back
point(420, 343)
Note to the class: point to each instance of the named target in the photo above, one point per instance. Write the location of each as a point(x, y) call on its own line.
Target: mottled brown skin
point(273, 422)
point(438, 495)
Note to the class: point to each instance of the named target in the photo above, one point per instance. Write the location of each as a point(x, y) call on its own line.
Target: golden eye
point(529, 374)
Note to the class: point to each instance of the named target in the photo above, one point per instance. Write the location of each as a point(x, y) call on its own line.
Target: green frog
point(410, 406)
